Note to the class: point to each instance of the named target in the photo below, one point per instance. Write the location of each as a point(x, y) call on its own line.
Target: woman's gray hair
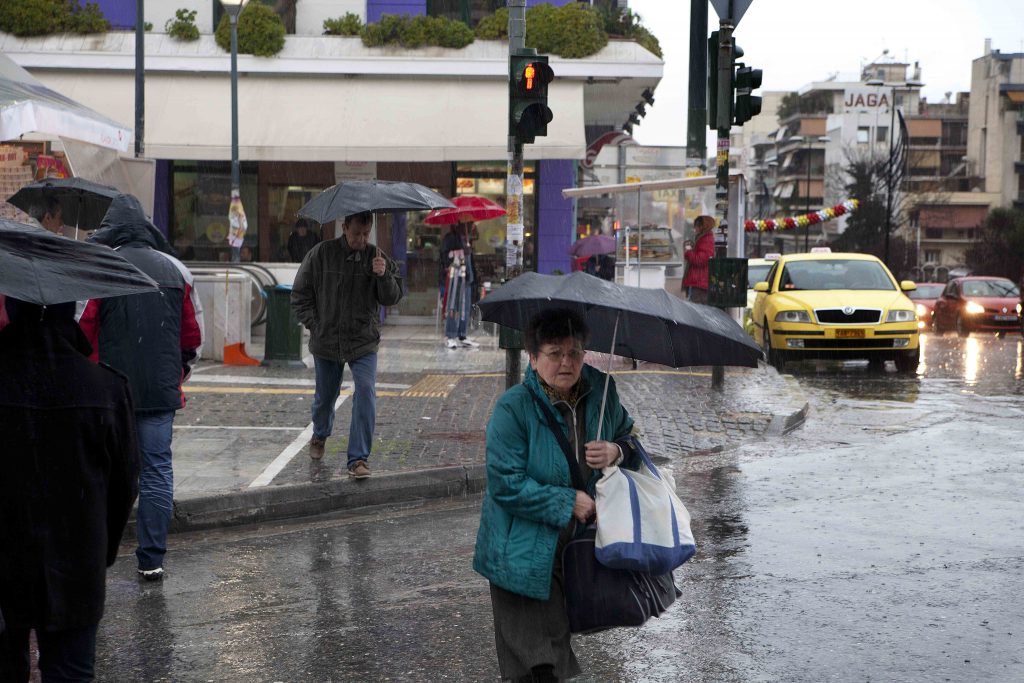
point(554, 324)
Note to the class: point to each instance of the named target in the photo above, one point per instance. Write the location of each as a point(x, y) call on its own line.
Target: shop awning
point(301, 117)
point(29, 107)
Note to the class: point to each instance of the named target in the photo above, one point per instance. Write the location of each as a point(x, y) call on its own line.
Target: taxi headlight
point(974, 307)
point(792, 317)
point(899, 316)
point(921, 310)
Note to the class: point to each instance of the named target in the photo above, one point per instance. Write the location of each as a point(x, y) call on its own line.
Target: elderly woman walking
point(531, 510)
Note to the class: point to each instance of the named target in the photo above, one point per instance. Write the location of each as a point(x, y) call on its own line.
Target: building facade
point(995, 139)
point(327, 108)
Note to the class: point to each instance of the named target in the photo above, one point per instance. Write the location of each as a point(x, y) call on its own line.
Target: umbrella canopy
point(42, 268)
point(83, 203)
point(355, 196)
point(467, 208)
point(593, 246)
point(646, 324)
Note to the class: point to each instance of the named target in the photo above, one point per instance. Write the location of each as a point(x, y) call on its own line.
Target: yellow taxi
point(835, 305)
point(757, 271)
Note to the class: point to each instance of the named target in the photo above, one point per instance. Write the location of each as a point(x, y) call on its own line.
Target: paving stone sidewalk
point(239, 420)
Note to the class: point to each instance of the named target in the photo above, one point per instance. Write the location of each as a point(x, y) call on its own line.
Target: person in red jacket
point(697, 255)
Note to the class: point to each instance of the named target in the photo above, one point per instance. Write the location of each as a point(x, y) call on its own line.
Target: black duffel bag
point(598, 598)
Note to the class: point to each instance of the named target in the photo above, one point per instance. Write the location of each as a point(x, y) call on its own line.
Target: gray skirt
point(530, 632)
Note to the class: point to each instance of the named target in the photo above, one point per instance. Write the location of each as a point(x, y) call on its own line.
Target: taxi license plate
point(1003, 318)
point(849, 334)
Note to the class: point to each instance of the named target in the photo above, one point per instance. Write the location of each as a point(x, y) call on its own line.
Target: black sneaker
point(152, 574)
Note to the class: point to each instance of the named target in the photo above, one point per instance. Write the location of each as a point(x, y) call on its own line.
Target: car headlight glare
point(921, 310)
point(974, 307)
point(792, 317)
point(1018, 309)
point(899, 316)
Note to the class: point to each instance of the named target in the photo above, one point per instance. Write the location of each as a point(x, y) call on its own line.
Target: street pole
point(140, 88)
point(236, 182)
point(807, 199)
point(514, 228)
point(723, 125)
point(696, 135)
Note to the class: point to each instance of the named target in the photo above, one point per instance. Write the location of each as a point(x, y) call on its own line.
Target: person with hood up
point(153, 338)
point(68, 472)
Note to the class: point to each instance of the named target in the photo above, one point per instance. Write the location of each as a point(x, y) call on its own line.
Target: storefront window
point(201, 194)
point(283, 204)
point(423, 242)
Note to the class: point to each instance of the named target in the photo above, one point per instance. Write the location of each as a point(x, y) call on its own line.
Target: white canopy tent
point(92, 142)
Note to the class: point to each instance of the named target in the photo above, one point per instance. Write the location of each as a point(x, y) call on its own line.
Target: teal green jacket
point(529, 497)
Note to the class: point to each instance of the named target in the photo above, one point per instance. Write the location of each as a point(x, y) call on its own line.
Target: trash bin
point(284, 331)
point(727, 282)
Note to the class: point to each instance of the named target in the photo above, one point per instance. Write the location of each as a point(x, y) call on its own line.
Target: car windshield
point(835, 274)
point(757, 274)
point(990, 288)
point(926, 292)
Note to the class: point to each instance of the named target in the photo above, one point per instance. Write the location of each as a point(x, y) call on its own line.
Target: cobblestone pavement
point(240, 420)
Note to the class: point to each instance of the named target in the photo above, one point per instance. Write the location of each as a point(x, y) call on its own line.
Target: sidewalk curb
point(273, 503)
point(785, 422)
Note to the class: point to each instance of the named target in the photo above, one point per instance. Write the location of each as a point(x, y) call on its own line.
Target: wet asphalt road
point(884, 541)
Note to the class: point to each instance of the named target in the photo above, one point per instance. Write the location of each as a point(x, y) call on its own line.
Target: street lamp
point(807, 190)
point(236, 214)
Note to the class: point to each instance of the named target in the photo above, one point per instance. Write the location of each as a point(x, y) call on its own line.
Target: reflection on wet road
point(882, 541)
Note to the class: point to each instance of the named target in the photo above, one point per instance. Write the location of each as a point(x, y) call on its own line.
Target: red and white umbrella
point(467, 208)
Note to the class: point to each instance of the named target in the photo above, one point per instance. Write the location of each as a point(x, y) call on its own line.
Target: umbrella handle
point(607, 376)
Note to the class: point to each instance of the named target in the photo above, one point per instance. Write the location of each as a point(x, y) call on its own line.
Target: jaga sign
point(866, 99)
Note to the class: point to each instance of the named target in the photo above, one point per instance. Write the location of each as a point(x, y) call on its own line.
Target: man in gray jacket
point(337, 295)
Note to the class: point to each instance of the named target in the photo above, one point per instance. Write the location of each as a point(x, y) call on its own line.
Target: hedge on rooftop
point(45, 17)
point(260, 31)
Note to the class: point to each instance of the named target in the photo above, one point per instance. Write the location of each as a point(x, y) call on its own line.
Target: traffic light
point(712, 103)
point(528, 112)
point(746, 80)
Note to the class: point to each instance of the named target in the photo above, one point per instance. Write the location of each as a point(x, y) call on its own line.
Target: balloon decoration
point(813, 218)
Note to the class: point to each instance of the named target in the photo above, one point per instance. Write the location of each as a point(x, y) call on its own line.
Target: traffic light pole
point(509, 339)
point(723, 125)
point(697, 118)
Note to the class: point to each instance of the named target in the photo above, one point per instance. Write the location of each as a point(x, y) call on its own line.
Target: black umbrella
point(83, 203)
point(356, 196)
point(40, 267)
point(647, 324)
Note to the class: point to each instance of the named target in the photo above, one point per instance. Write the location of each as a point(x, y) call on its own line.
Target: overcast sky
point(796, 42)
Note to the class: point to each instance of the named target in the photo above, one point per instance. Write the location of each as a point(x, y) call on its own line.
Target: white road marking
point(277, 381)
point(248, 429)
point(293, 449)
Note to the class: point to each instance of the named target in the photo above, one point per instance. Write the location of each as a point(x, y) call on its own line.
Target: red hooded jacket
point(697, 261)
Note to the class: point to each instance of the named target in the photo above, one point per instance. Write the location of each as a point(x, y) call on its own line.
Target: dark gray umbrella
point(40, 267)
point(83, 203)
point(355, 196)
point(646, 324)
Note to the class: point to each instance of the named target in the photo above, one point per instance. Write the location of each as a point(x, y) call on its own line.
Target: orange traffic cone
point(234, 354)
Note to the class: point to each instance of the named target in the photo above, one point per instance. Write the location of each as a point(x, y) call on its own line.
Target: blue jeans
point(364, 402)
point(156, 487)
point(65, 656)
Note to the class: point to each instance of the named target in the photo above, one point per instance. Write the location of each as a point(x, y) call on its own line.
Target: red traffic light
point(534, 78)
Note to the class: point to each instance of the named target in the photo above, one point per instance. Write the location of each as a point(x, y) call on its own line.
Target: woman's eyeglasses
point(575, 355)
